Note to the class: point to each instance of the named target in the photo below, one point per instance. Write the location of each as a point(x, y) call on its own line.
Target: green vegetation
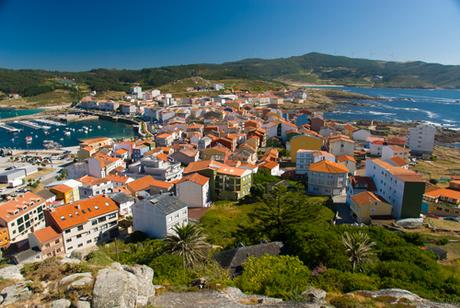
point(275, 276)
point(250, 74)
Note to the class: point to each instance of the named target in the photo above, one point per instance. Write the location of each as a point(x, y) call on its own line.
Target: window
point(67, 231)
point(80, 245)
point(94, 222)
point(68, 240)
point(88, 242)
point(80, 228)
point(79, 236)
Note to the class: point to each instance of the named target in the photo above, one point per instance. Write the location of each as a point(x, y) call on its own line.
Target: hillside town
point(196, 151)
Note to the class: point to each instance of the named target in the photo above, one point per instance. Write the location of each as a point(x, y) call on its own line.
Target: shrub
point(276, 276)
point(335, 280)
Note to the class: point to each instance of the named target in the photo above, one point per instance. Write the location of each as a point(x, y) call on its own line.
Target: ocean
point(96, 128)
point(438, 107)
point(11, 112)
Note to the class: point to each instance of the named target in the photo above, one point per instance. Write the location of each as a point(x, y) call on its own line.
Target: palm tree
point(188, 241)
point(358, 247)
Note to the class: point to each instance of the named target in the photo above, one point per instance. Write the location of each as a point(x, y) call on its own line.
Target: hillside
point(308, 68)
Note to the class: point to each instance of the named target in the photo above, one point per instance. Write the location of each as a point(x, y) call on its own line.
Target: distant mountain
point(309, 68)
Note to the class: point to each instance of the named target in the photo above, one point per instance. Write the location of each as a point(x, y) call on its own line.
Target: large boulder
point(12, 272)
point(314, 295)
point(76, 281)
point(16, 293)
point(60, 303)
point(126, 287)
point(83, 304)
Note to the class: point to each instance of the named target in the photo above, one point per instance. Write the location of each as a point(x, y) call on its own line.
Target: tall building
point(421, 139)
point(400, 187)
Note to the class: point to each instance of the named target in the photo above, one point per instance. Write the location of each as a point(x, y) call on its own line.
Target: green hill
point(308, 68)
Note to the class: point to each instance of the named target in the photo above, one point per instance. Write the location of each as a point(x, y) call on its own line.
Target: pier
point(33, 125)
point(49, 122)
point(9, 128)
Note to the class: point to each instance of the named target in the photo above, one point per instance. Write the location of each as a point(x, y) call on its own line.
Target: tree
point(358, 247)
point(188, 241)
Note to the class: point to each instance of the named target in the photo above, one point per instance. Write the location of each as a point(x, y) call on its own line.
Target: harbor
point(32, 125)
point(10, 129)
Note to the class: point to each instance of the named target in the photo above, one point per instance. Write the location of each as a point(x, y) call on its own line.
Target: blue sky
point(85, 34)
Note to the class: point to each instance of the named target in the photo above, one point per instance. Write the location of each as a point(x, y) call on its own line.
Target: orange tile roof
point(146, 183)
point(90, 180)
point(121, 151)
point(444, 192)
point(326, 166)
point(195, 178)
point(117, 178)
point(202, 165)
point(269, 165)
point(227, 170)
point(399, 161)
point(364, 198)
point(94, 140)
point(342, 158)
point(164, 135)
point(79, 212)
point(162, 156)
point(21, 205)
point(61, 188)
point(46, 235)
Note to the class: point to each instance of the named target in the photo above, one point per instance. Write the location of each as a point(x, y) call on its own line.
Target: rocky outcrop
point(16, 293)
point(60, 303)
point(12, 272)
point(76, 281)
point(119, 286)
point(402, 297)
point(314, 295)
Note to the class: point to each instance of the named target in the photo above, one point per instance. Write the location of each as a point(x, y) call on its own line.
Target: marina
point(9, 128)
point(32, 125)
point(49, 122)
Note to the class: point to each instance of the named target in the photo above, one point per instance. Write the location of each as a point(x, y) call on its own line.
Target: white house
point(348, 161)
point(341, 145)
point(376, 147)
point(421, 139)
point(327, 178)
point(85, 223)
point(157, 216)
point(306, 157)
point(361, 135)
point(193, 190)
point(389, 151)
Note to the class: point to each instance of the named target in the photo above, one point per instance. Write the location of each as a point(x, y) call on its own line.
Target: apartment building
point(306, 157)
point(158, 215)
point(85, 223)
point(327, 178)
point(194, 190)
point(400, 187)
point(159, 167)
point(89, 147)
point(100, 165)
point(22, 215)
point(48, 242)
point(421, 139)
point(341, 145)
point(92, 186)
point(389, 151)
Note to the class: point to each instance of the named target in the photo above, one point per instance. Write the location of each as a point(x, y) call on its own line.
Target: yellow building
point(366, 205)
point(63, 192)
point(4, 238)
point(309, 141)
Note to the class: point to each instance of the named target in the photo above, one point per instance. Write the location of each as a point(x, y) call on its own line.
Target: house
point(327, 178)
point(226, 182)
point(22, 215)
point(150, 185)
point(92, 186)
point(366, 205)
point(420, 139)
point(316, 122)
point(64, 193)
point(273, 168)
point(443, 202)
point(89, 147)
point(341, 145)
point(158, 166)
point(49, 242)
point(157, 216)
point(398, 162)
point(357, 184)
point(348, 161)
point(306, 157)
point(100, 165)
point(389, 151)
point(218, 153)
point(234, 259)
point(124, 202)
point(128, 109)
point(376, 147)
point(307, 141)
point(361, 135)
point(194, 190)
point(85, 223)
point(164, 139)
point(400, 187)
point(186, 156)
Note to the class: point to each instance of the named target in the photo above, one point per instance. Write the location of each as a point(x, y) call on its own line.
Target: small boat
point(61, 139)
point(28, 139)
point(98, 127)
point(67, 133)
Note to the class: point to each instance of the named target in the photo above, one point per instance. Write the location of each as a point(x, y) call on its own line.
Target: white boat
point(28, 139)
point(67, 133)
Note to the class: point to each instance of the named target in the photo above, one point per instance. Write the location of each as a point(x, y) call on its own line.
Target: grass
point(223, 219)
point(56, 97)
point(446, 163)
